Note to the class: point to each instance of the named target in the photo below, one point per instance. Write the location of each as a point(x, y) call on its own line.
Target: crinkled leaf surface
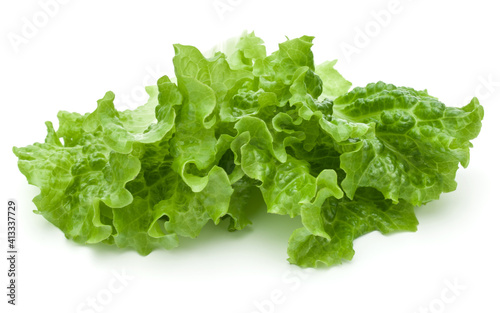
point(243, 121)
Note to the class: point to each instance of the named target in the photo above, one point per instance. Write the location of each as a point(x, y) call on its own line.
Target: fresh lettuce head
point(347, 162)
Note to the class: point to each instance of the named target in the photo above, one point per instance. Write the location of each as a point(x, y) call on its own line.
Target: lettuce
point(346, 162)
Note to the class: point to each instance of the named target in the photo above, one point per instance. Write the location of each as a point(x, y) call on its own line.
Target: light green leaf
point(417, 144)
point(344, 220)
point(334, 85)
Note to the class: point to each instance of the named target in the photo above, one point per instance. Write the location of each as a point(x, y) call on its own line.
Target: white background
point(86, 48)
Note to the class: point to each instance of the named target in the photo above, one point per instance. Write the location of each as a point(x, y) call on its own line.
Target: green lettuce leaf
point(416, 147)
point(343, 221)
point(73, 181)
point(238, 123)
